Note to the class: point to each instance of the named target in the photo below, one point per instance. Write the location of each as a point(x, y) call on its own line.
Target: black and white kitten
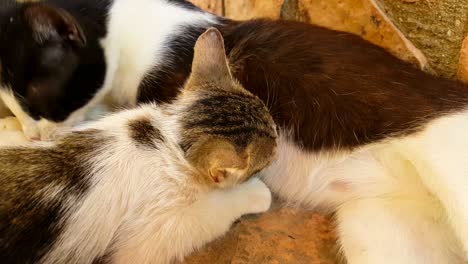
point(147, 185)
point(362, 133)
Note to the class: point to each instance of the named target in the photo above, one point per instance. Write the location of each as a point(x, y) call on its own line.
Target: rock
point(241, 9)
point(213, 6)
point(462, 73)
point(293, 10)
point(283, 235)
point(247, 9)
point(437, 27)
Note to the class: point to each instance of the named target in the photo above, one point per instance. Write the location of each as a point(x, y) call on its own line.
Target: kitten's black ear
point(209, 60)
point(48, 22)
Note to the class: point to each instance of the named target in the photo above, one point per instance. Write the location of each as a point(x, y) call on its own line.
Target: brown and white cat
point(362, 133)
point(148, 185)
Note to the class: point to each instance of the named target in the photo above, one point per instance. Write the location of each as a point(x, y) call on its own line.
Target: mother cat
point(362, 133)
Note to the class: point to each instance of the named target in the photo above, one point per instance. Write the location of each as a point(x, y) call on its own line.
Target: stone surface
point(247, 9)
point(462, 73)
point(214, 6)
point(437, 27)
point(281, 236)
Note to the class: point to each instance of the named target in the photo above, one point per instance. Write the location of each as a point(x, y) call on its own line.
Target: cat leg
point(10, 132)
point(382, 230)
point(49, 130)
point(30, 129)
point(187, 229)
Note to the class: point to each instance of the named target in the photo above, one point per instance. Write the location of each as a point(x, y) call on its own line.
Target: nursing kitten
point(148, 185)
point(362, 133)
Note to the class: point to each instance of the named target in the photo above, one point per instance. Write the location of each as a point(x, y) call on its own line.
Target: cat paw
point(32, 130)
point(258, 196)
point(32, 133)
point(10, 123)
point(42, 130)
point(50, 134)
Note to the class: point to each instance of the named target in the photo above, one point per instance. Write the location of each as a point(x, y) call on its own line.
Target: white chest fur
point(137, 35)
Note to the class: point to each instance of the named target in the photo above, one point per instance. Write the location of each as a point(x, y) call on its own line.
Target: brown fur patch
point(31, 216)
point(144, 133)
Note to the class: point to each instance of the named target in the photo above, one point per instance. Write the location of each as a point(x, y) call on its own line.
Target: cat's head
point(228, 134)
point(41, 49)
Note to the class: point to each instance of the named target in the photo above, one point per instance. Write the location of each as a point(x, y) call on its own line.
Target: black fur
point(53, 77)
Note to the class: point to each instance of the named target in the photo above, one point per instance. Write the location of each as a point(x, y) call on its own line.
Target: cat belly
point(329, 179)
point(440, 154)
point(380, 194)
point(391, 230)
point(397, 167)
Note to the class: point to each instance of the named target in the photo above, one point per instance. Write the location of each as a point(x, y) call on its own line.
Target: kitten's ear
point(226, 167)
point(48, 22)
point(209, 61)
point(219, 161)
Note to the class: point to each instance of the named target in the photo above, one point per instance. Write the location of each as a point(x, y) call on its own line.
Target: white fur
point(185, 228)
point(400, 201)
point(396, 230)
point(138, 30)
point(11, 133)
point(143, 206)
point(440, 156)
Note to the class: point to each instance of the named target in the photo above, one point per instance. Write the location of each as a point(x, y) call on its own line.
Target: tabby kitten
point(148, 185)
